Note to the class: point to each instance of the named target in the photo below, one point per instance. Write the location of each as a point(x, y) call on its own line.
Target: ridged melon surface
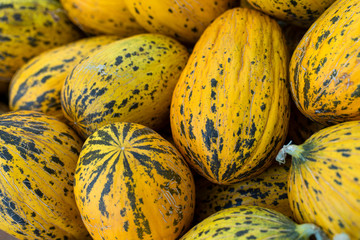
point(38, 156)
point(102, 17)
point(180, 19)
point(131, 183)
point(268, 190)
point(230, 107)
point(29, 27)
point(325, 69)
point(324, 186)
point(129, 80)
point(251, 222)
point(298, 12)
point(37, 84)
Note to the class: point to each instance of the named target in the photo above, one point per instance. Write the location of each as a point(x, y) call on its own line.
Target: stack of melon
point(140, 119)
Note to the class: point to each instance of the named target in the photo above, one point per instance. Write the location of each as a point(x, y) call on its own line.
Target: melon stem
point(291, 149)
point(308, 229)
point(341, 236)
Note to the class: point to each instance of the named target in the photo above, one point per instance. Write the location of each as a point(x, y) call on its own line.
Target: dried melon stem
point(291, 149)
point(341, 236)
point(308, 229)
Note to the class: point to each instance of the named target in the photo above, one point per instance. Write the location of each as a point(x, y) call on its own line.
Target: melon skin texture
point(323, 186)
point(268, 190)
point(28, 28)
point(251, 222)
point(324, 68)
point(37, 84)
point(298, 12)
point(131, 183)
point(97, 17)
point(182, 20)
point(38, 157)
point(128, 80)
point(230, 108)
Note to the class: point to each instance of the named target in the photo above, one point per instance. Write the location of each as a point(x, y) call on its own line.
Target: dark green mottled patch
point(118, 60)
point(210, 134)
point(294, 3)
point(356, 93)
point(4, 38)
point(334, 19)
point(321, 38)
point(17, 17)
point(241, 233)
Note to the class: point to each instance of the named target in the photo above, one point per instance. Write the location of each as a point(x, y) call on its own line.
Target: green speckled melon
point(131, 183)
point(102, 17)
point(251, 222)
point(325, 69)
point(269, 190)
point(230, 108)
point(38, 156)
point(184, 20)
point(299, 12)
point(324, 185)
point(37, 84)
point(29, 27)
point(129, 80)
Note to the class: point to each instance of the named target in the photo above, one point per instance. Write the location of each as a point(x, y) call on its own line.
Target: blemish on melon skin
point(118, 60)
point(98, 68)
